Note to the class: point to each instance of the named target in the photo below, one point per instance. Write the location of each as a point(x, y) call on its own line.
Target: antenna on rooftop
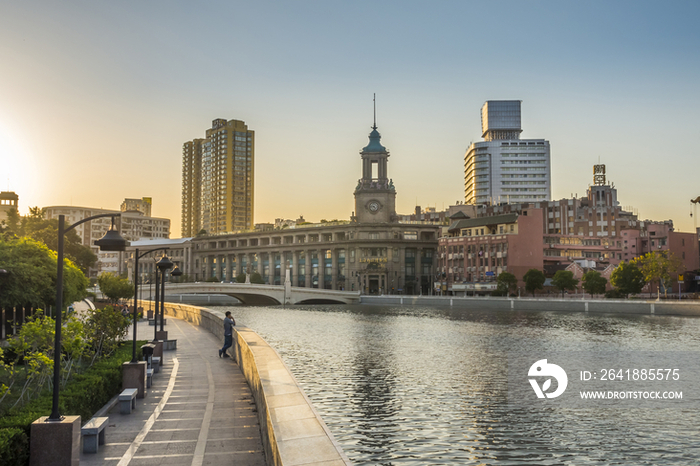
point(374, 100)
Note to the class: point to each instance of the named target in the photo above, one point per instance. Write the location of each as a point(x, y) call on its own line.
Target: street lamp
point(136, 293)
point(3, 273)
point(163, 264)
point(111, 241)
point(176, 272)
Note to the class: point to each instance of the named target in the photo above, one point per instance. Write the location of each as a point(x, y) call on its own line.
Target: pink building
point(476, 250)
point(578, 234)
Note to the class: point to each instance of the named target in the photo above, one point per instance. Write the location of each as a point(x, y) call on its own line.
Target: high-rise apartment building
point(191, 187)
point(217, 180)
point(504, 168)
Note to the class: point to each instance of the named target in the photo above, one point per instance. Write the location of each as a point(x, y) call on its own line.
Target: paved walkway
point(199, 410)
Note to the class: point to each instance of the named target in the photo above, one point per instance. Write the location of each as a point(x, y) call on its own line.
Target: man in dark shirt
point(228, 334)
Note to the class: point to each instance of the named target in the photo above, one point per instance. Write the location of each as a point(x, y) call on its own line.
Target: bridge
point(253, 294)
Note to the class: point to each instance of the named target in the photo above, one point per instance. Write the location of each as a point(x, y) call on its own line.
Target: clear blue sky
point(96, 98)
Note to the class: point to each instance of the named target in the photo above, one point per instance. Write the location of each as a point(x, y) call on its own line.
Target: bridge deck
point(265, 294)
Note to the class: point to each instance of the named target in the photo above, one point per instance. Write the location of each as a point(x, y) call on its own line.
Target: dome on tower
point(374, 144)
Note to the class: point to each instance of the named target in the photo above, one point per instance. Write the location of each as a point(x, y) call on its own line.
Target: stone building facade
point(373, 252)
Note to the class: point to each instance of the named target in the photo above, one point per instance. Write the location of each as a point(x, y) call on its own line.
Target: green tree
point(627, 278)
point(594, 282)
point(46, 232)
point(104, 329)
point(115, 287)
point(33, 348)
point(240, 278)
point(37, 227)
point(505, 283)
point(9, 228)
point(564, 280)
point(31, 281)
point(659, 267)
point(256, 278)
point(534, 280)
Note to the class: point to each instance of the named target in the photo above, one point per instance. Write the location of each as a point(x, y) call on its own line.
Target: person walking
point(228, 334)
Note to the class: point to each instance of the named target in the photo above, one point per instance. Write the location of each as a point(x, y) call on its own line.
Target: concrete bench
point(127, 400)
point(93, 434)
point(153, 321)
point(149, 378)
point(169, 345)
point(155, 364)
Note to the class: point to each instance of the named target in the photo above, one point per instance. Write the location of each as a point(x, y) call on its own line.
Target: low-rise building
point(594, 232)
point(133, 225)
point(179, 250)
point(8, 201)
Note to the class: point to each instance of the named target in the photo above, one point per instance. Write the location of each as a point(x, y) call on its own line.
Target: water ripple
point(422, 385)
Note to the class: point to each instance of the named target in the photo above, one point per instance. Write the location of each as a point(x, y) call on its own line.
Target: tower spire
point(374, 100)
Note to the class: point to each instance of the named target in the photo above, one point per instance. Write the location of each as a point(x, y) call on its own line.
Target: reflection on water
point(427, 385)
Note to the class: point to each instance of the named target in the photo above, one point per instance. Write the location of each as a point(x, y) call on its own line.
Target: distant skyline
point(97, 98)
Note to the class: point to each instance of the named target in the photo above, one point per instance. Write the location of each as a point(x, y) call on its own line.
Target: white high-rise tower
point(504, 168)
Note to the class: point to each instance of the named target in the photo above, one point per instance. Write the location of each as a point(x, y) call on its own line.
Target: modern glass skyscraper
point(218, 180)
point(504, 168)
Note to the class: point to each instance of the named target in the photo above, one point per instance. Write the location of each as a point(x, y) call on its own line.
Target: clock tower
point(375, 196)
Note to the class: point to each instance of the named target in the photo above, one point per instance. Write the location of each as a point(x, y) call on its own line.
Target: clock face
point(373, 206)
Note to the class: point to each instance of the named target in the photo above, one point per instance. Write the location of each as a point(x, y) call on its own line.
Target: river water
point(404, 385)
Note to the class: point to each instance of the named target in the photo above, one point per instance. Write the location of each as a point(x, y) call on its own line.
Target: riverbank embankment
point(293, 433)
point(604, 306)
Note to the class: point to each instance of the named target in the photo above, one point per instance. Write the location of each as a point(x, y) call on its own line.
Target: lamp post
point(3, 273)
point(176, 272)
point(163, 264)
point(136, 293)
point(111, 241)
point(155, 311)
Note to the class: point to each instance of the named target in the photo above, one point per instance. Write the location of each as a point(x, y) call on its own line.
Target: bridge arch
point(254, 299)
point(320, 301)
point(261, 295)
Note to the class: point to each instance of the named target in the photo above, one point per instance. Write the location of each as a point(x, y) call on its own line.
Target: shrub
point(84, 395)
point(14, 447)
point(615, 294)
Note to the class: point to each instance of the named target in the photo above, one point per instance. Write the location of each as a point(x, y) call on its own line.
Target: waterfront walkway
point(199, 410)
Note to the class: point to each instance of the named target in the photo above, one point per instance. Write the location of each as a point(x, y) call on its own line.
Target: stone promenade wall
point(612, 306)
point(293, 432)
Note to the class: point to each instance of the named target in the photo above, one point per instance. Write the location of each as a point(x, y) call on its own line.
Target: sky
point(97, 97)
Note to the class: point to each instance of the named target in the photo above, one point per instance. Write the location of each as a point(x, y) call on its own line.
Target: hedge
point(84, 395)
point(14, 447)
